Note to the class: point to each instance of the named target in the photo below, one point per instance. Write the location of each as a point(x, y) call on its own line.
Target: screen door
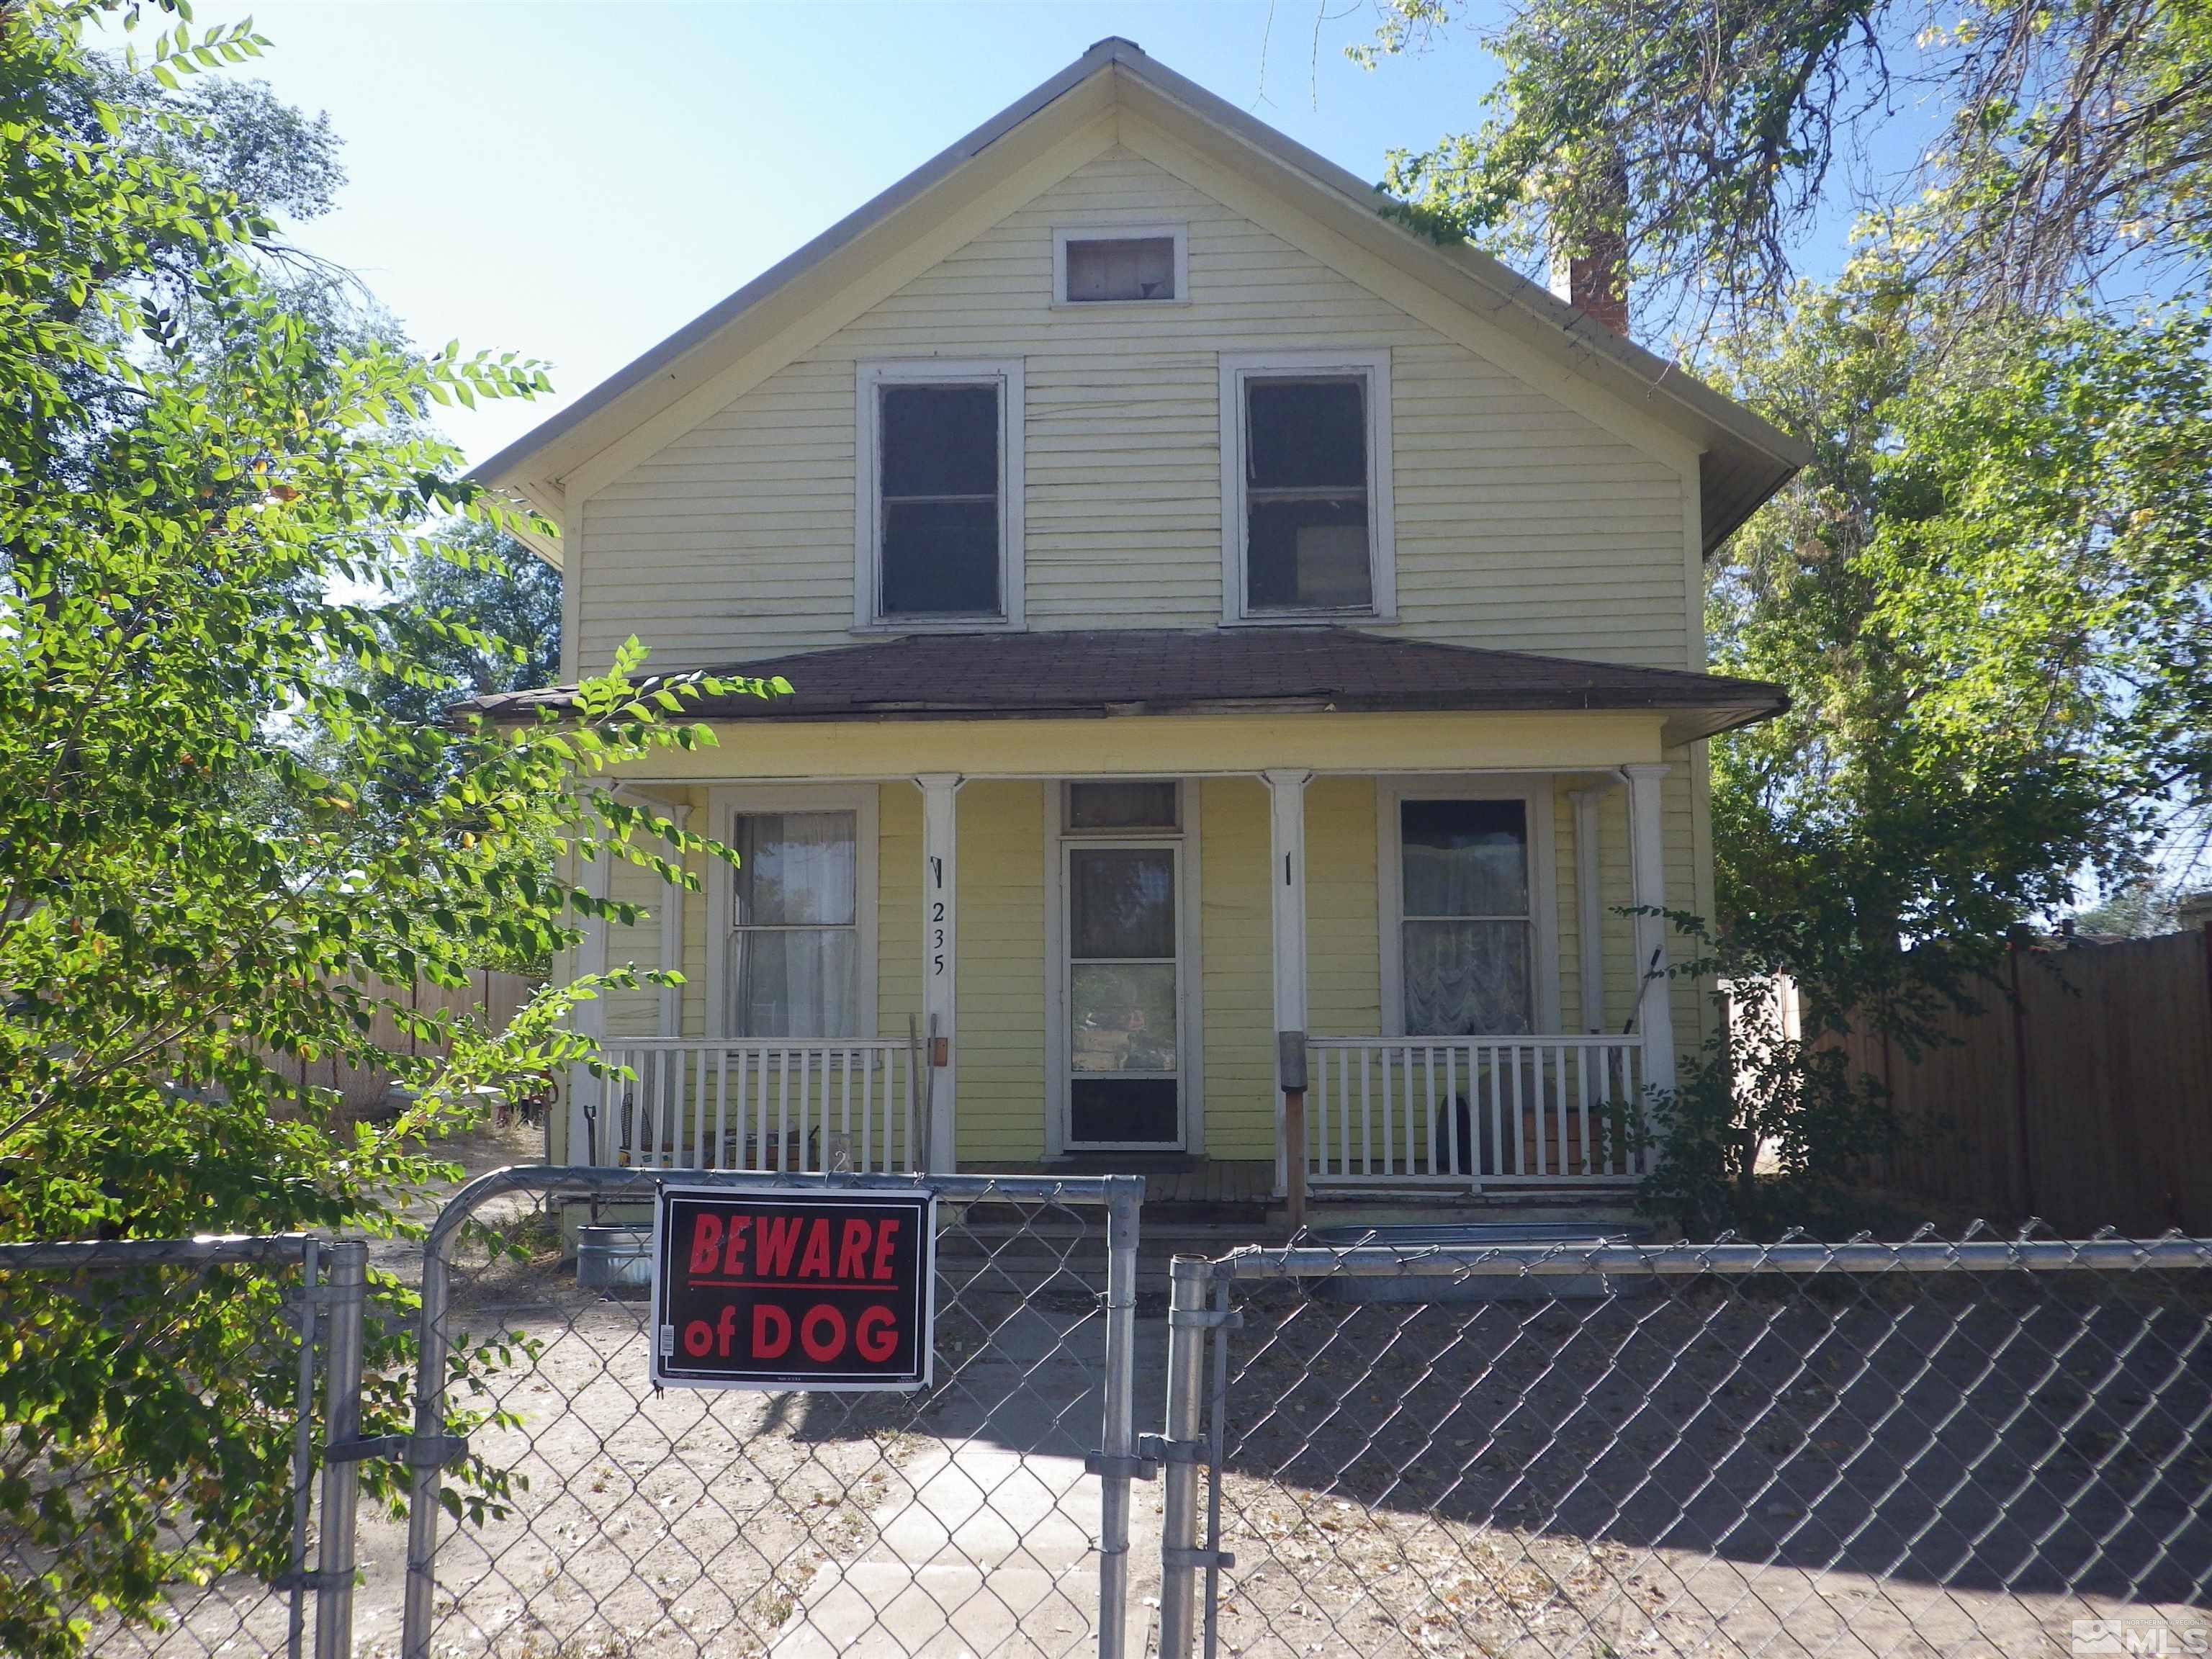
point(1124, 997)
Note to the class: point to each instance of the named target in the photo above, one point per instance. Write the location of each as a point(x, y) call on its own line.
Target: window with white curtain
point(794, 937)
point(1467, 932)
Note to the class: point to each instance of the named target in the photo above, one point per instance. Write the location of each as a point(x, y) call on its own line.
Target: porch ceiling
point(1160, 672)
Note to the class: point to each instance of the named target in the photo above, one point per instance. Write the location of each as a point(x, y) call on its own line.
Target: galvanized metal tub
point(612, 1258)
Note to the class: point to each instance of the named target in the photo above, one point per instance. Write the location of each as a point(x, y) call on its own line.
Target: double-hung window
point(1467, 924)
point(794, 963)
point(1305, 487)
point(938, 499)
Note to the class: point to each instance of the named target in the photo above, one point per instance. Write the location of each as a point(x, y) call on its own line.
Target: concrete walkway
point(978, 1550)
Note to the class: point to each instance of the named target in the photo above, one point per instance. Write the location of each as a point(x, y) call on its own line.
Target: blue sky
point(574, 181)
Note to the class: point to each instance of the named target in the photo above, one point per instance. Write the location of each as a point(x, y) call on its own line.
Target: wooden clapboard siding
point(634, 1011)
point(1343, 963)
point(1002, 969)
point(1237, 949)
point(1520, 522)
point(899, 915)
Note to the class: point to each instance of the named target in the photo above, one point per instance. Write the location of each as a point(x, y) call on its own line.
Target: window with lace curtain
point(1467, 928)
point(794, 934)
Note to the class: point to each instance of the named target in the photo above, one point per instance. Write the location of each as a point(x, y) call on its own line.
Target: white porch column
point(1286, 880)
point(1648, 870)
point(672, 942)
point(589, 1019)
point(1589, 908)
point(939, 962)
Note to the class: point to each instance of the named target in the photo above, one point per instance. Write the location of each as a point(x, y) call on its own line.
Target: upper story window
point(1120, 264)
point(1305, 487)
point(939, 506)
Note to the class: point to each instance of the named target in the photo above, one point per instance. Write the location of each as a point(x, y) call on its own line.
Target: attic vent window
point(1138, 266)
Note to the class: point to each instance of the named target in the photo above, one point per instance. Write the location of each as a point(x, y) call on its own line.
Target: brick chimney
point(1589, 257)
point(1597, 283)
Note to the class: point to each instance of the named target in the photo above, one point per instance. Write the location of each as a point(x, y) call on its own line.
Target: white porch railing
point(1458, 1111)
point(760, 1105)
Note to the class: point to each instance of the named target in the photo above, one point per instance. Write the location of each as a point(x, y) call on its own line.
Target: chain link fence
point(1865, 1451)
point(1814, 1451)
point(158, 1451)
point(987, 1516)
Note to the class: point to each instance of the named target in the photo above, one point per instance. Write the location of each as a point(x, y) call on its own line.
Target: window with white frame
point(1467, 940)
point(1120, 264)
point(938, 511)
point(1306, 511)
point(794, 955)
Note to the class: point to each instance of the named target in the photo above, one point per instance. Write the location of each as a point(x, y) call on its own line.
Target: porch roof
point(1016, 676)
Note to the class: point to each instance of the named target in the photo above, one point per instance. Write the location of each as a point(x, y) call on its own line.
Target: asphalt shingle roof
point(1043, 673)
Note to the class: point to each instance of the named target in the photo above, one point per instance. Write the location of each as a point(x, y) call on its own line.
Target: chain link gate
point(988, 1516)
point(157, 1477)
point(1982, 1448)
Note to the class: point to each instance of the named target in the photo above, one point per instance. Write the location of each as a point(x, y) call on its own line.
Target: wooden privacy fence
point(493, 998)
point(2084, 1099)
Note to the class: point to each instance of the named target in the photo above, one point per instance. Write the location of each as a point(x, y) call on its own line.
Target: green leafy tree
point(2068, 149)
point(191, 896)
point(1990, 597)
point(1764, 1129)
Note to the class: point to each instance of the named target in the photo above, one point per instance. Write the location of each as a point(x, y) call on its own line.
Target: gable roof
point(1150, 670)
point(1743, 459)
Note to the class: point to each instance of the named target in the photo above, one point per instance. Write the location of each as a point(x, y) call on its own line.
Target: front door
point(1124, 986)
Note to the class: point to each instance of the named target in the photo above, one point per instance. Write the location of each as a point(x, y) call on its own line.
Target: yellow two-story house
point(1215, 611)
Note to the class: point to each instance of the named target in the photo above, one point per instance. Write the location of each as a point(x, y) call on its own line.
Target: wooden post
point(670, 1012)
point(1290, 1067)
point(1648, 868)
point(1286, 880)
point(940, 942)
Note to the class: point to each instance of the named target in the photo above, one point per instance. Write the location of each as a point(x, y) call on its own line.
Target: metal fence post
point(303, 1448)
point(423, 1473)
point(347, 1288)
point(1117, 1441)
point(1189, 1281)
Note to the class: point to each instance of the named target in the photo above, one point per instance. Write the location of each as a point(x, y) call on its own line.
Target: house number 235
point(937, 918)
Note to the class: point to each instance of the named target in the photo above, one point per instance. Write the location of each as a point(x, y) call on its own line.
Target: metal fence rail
point(159, 1451)
point(1800, 1450)
point(988, 1516)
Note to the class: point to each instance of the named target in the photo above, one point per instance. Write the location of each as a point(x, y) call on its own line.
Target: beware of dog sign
point(818, 1290)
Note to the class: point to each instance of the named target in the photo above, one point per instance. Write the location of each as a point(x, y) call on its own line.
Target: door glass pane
point(1465, 858)
point(1121, 1016)
point(1120, 903)
point(1466, 978)
point(1124, 1109)
point(794, 868)
point(794, 982)
point(1143, 805)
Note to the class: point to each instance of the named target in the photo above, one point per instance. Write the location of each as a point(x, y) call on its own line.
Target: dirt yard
point(1874, 1468)
point(1856, 1467)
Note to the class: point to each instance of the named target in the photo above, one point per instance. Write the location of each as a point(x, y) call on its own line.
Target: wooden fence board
point(2113, 1047)
point(493, 999)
